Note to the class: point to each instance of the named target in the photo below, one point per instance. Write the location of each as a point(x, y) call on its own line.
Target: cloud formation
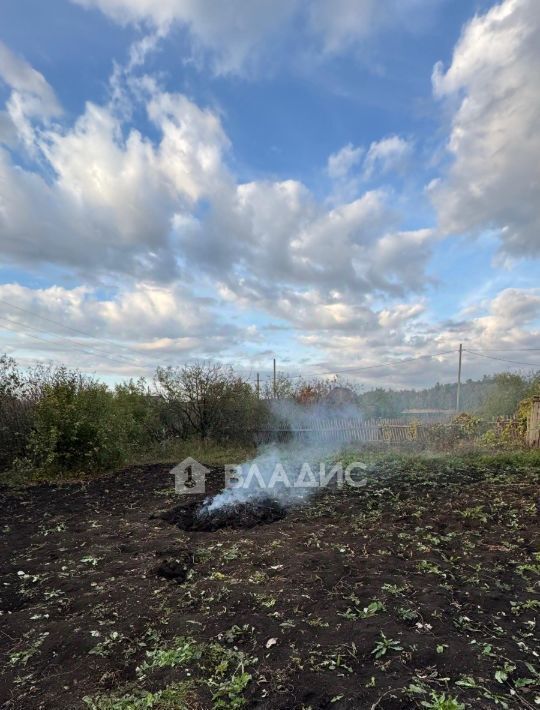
point(131, 330)
point(174, 255)
point(120, 202)
point(236, 33)
point(112, 198)
point(493, 181)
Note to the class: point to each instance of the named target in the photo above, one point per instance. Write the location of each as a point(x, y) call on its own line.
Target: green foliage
point(176, 696)
point(384, 645)
point(380, 403)
point(56, 421)
point(181, 651)
point(15, 413)
point(359, 612)
point(140, 412)
point(224, 671)
point(442, 702)
point(75, 426)
point(506, 393)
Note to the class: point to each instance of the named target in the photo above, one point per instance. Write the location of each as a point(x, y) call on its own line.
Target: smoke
point(288, 472)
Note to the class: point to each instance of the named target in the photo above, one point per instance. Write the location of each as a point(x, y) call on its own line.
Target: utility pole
point(458, 395)
point(258, 387)
point(275, 386)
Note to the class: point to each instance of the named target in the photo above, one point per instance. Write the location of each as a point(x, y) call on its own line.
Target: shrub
point(75, 425)
point(15, 413)
point(139, 411)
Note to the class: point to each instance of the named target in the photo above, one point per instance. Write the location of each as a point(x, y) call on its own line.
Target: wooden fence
point(396, 431)
point(348, 429)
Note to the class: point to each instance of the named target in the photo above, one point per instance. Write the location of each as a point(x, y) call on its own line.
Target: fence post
point(533, 424)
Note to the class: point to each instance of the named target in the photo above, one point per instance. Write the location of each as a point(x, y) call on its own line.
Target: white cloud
point(112, 199)
point(264, 240)
point(138, 313)
point(494, 143)
point(236, 33)
point(511, 320)
point(344, 160)
point(117, 202)
point(113, 205)
point(396, 316)
point(388, 154)
point(341, 23)
point(130, 331)
point(28, 82)
point(351, 166)
point(232, 32)
point(32, 98)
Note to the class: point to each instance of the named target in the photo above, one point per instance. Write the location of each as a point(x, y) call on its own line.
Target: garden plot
point(419, 590)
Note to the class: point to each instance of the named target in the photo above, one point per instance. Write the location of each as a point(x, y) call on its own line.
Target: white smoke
point(288, 472)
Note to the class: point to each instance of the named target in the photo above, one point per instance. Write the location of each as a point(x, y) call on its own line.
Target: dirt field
point(416, 591)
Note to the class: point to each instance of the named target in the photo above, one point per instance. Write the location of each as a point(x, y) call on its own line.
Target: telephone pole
point(275, 386)
point(458, 394)
point(258, 387)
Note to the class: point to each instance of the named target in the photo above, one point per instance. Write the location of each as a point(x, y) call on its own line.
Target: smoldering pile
point(263, 489)
point(197, 517)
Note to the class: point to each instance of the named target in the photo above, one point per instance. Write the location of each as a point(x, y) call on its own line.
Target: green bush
point(15, 413)
point(76, 426)
point(140, 413)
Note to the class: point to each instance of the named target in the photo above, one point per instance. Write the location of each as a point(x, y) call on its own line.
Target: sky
point(351, 187)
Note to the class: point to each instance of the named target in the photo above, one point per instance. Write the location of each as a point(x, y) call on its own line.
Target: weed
point(366, 612)
point(384, 645)
point(442, 702)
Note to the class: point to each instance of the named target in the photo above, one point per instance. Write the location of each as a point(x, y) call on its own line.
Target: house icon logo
point(189, 476)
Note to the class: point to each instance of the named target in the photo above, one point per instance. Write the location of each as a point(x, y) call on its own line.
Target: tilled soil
point(419, 588)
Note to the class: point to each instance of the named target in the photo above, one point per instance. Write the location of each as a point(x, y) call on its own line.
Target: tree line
point(56, 419)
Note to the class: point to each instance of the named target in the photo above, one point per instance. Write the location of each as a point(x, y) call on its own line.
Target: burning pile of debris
point(196, 516)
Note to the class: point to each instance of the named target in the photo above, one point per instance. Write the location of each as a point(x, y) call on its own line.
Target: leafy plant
point(442, 702)
point(384, 645)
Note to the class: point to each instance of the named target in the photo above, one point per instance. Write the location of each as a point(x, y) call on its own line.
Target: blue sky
point(334, 184)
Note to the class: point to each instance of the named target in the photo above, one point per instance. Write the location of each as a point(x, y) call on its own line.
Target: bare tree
point(210, 398)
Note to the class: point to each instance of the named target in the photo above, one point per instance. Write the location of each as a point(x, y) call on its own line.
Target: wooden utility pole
point(458, 395)
point(258, 387)
point(275, 384)
point(533, 424)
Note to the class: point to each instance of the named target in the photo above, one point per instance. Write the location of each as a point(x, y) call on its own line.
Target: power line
point(392, 363)
point(500, 359)
point(49, 342)
point(55, 322)
point(101, 353)
point(508, 350)
point(76, 330)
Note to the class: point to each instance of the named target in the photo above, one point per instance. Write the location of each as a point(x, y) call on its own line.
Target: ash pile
point(197, 517)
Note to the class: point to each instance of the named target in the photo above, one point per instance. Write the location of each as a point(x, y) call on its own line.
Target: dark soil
point(419, 588)
point(194, 516)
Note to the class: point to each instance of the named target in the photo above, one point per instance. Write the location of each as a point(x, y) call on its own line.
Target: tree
point(209, 398)
point(506, 392)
